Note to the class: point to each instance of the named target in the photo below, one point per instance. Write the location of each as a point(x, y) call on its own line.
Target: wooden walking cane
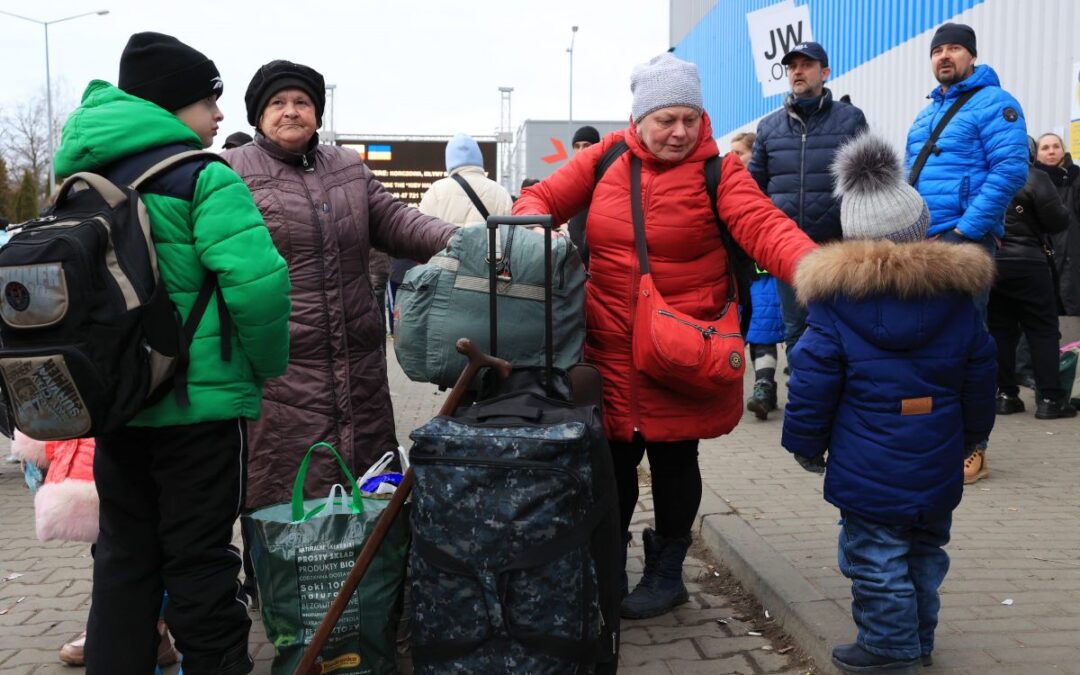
point(477, 360)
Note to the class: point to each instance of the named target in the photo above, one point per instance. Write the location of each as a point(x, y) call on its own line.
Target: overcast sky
point(400, 66)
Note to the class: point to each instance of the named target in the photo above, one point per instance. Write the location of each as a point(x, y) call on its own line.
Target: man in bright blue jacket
point(791, 157)
point(980, 159)
point(977, 163)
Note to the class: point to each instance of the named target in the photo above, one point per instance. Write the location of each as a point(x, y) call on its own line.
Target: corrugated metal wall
point(879, 53)
point(685, 14)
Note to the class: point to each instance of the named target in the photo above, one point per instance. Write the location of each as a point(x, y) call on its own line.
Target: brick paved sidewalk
point(701, 637)
point(1015, 537)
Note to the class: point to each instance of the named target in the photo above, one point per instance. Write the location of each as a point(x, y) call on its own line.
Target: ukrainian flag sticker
point(376, 153)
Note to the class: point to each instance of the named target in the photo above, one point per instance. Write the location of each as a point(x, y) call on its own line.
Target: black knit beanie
point(161, 69)
point(278, 75)
point(954, 34)
point(586, 133)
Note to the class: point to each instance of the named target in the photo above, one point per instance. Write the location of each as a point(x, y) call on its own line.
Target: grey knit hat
point(877, 201)
point(662, 82)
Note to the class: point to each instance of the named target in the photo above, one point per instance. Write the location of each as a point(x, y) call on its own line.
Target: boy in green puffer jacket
point(171, 483)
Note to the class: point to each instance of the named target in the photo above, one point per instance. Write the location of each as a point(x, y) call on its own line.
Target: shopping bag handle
point(377, 468)
point(357, 503)
point(336, 498)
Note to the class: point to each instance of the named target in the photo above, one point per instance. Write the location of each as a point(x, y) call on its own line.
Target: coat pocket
point(964, 193)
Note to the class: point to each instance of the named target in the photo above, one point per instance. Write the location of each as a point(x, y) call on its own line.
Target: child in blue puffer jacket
point(894, 379)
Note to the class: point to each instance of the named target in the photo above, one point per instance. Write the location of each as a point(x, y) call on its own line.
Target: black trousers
point(1022, 299)
point(169, 498)
point(676, 482)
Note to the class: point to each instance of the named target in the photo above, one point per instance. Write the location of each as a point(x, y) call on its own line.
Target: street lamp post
point(332, 90)
point(48, 82)
point(570, 51)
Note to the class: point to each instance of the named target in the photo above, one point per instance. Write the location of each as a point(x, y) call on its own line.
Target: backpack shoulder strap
point(924, 154)
point(112, 195)
point(171, 161)
point(170, 169)
point(473, 197)
point(741, 266)
point(712, 183)
point(210, 288)
point(613, 153)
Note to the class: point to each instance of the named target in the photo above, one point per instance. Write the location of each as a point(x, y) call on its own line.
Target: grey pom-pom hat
point(877, 201)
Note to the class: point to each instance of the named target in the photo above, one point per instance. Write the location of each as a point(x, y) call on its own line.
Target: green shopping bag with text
point(303, 551)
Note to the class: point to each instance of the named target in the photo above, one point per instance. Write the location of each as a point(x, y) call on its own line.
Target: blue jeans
point(794, 314)
point(895, 573)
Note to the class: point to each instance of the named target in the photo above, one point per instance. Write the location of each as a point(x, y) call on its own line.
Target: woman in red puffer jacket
point(670, 134)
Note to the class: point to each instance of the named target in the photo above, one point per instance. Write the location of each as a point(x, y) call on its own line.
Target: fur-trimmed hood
point(869, 268)
point(895, 296)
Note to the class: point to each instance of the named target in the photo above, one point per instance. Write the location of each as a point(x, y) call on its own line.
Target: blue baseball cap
point(810, 50)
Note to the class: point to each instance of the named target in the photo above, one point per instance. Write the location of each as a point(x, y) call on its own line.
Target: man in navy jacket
point(792, 154)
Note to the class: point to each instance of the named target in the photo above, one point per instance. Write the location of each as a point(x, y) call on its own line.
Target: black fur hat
point(278, 75)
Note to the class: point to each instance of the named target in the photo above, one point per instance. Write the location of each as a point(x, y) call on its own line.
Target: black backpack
point(742, 263)
point(88, 334)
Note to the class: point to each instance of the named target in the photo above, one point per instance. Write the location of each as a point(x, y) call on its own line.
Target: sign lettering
point(774, 30)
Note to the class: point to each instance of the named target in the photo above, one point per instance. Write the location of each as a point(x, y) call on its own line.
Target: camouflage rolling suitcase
point(515, 531)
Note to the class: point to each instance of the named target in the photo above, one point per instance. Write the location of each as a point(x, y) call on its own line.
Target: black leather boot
point(661, 587)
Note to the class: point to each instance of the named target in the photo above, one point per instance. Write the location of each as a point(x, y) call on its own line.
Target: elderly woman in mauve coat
point(325, 211)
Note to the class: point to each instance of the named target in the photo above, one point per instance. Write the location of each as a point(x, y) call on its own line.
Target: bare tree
point(24, 140)
point(6, 192)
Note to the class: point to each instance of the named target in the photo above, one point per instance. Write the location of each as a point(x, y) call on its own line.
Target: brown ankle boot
point(975, 467)
point(73, 653)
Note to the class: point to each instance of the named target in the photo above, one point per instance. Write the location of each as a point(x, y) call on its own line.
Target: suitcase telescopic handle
point(539, 220)
point(542, 220)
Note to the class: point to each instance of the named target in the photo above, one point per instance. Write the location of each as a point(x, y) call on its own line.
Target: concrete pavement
point(1016, 536)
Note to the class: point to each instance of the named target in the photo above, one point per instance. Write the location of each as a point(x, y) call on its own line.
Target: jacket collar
point(467, 168)
point(1061, 175)
point(305, 159)
point(868, 268)
point(983, 76)
point(1071, 170)
point(824, 104)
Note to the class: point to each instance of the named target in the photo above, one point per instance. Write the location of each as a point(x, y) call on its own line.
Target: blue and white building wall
point(879, 53)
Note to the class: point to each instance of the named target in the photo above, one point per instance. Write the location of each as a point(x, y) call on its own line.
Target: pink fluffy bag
point(66, 505)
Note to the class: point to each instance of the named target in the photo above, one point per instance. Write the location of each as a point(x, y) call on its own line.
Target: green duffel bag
point(1067, 374)
point(448, 299)
point(302, 552)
